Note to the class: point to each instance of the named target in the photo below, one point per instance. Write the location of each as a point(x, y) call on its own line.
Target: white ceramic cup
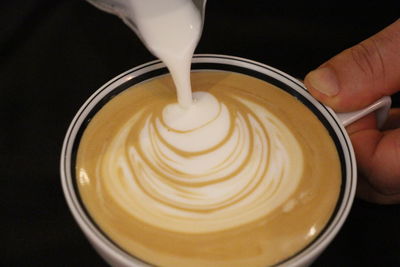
point(333, 122)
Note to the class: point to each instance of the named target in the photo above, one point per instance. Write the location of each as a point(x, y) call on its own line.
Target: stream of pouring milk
point(170, 30)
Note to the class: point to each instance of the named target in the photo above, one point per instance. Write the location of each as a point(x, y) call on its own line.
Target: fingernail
point(324, 80)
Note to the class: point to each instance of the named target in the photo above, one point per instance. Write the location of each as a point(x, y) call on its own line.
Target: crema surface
point(245, 175)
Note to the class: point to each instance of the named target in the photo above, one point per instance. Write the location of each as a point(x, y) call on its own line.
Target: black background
point(55, 54)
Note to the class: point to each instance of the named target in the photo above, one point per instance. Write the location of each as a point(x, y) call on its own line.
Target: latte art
point(218, 164)
point(246, 176)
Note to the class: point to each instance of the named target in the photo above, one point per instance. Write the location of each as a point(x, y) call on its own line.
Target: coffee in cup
point(246, 176)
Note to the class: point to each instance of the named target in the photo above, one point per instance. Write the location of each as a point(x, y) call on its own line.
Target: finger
point(377, 182)
point(361, 74)
point(369, 193)
point(378, 156)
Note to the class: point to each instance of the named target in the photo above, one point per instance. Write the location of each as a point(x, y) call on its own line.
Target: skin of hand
point(353, 79)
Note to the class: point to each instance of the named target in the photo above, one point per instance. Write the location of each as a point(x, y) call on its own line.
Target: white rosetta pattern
point(204, 168)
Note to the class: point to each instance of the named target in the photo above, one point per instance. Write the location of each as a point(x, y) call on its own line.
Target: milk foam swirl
point(216, 165)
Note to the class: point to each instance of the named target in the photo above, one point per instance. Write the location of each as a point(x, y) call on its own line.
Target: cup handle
point(381, 107)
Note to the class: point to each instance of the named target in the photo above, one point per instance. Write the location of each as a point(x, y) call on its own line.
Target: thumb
point(359, 75)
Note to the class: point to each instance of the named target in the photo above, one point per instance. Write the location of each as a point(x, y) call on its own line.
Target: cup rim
point(105, 246)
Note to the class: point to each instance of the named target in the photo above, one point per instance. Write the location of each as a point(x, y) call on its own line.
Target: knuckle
point(384, 186)
point(386, 190)
point(388, 184)
point(368, 58)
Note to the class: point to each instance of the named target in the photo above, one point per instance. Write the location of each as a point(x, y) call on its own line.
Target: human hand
point(352, 80)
